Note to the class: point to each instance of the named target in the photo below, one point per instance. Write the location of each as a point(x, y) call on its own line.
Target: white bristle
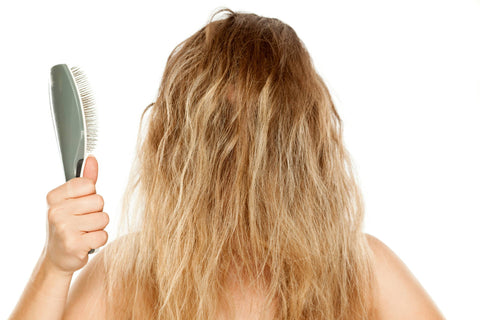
point(88, 102)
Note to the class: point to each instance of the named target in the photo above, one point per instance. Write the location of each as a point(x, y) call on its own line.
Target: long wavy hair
point(241, 171)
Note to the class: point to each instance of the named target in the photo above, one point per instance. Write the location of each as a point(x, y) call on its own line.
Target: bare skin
point(77, 226)
point(400, 295)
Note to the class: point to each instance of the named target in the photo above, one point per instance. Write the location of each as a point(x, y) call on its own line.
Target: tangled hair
point(241, 167)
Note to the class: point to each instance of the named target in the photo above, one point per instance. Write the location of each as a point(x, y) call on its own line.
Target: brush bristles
point(89, 109)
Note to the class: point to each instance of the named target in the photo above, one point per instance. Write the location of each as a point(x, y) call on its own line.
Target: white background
point(405, 76)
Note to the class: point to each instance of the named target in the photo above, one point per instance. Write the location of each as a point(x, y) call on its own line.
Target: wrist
point(48, 282)
point(48, 267)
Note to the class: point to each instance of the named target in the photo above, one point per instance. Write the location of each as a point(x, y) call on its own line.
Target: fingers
point(75, 220)
point(95, 239)
point(92, 221)
point(83, 205)
point(73, 188)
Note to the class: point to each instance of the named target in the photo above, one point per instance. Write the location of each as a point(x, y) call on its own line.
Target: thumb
point(90, 170)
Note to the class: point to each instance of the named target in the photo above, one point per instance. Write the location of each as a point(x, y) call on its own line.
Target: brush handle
point(78, 174)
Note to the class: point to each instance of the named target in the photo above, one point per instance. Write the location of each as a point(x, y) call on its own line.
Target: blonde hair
point(241, 166)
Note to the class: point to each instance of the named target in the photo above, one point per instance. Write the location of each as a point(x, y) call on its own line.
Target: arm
point(75, 225)
point(400, 295)
point(45, 295)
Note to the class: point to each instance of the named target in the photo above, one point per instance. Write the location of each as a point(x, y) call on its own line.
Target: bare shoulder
point(400, 295)
point(87, 297)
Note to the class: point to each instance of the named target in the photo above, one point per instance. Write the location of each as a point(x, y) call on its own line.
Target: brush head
point(89, 109)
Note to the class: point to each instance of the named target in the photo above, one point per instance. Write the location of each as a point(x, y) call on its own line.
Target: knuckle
point(53, 214)
point(100, 238)
point(80, 185)
point(71, 185)
point(80, 180)
point(104, 237)
point(100, 200)
point(106, 218)
point(49, 197)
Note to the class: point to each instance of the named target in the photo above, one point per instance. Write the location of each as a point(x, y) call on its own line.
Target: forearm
point(45, 294)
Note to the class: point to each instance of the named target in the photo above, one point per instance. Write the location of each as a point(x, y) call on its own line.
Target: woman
point(241, 204)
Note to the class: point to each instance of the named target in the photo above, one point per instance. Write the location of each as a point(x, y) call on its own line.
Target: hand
point(75, 221)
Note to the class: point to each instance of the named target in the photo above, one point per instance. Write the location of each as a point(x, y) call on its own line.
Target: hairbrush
point(72, 107)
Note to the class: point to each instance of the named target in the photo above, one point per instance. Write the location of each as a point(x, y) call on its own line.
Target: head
point(241, 166)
